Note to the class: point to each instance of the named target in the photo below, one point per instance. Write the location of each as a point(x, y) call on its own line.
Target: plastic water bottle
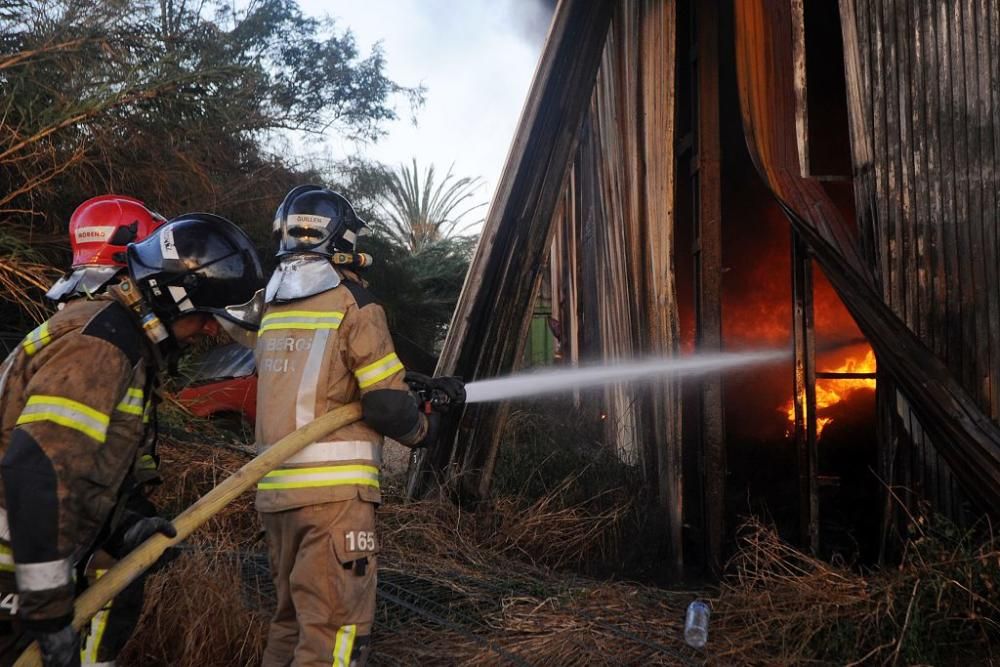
point(696, 624)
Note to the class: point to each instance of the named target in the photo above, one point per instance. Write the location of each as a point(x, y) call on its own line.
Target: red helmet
point(99, 230)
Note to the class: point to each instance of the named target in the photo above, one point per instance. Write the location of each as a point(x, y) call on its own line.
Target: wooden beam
point(804, 383)
point(658, 34)
point(707, 181)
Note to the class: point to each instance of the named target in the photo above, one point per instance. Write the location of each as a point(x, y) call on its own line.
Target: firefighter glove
point(451, 387)
point(433, 430)
point(145, 528)
point(419, 383)
point(60, 648)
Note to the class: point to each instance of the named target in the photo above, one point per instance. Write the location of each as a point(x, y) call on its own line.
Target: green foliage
point(419, 212)
point(191, 106)
point(180, 104)
point(174, 103)
point(418, 290)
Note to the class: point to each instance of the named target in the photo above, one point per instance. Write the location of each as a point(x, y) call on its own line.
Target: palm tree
point(419, 214)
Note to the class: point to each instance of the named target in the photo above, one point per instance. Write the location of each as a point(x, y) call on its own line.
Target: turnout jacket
point(316, 354)
point(75, 405)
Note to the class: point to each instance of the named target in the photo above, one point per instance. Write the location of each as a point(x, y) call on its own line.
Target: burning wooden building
point(680, 171)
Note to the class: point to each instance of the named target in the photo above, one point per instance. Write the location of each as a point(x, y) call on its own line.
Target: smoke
point(531, 19)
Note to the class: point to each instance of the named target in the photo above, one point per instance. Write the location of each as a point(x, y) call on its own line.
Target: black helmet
point(199, 263)
point(314, 219)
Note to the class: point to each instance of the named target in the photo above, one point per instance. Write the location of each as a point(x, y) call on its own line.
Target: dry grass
point(498, 587)
point(939, 606)
point(193, 467)
point(196, 614)
point(485, 589)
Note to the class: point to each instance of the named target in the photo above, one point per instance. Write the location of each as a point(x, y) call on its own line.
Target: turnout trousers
point(101, 641)
point(323, 559)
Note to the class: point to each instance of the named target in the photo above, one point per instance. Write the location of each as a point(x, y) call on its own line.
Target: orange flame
point(829, 392)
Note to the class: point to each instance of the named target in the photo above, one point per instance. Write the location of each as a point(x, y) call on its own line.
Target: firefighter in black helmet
point(324, 343)
point(74, 407)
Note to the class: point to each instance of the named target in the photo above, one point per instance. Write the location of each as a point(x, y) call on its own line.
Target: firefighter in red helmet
point(99, 230)
point(75, 407)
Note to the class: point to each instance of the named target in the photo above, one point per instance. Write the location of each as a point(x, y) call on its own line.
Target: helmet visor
point(238, 334)
point(84, 281)
point(244, 315)
point(304, 233)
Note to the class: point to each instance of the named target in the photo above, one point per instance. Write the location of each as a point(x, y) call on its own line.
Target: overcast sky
point(475, 58)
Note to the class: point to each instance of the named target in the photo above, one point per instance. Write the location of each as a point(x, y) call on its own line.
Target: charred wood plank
point(804, 385)
point(707, 180)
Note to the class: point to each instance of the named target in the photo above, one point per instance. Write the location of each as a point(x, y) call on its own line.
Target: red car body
point(222, 381)
point(237, 395)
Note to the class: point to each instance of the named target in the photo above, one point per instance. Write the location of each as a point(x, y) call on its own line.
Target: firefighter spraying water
point(433, 397)
point(327, 399)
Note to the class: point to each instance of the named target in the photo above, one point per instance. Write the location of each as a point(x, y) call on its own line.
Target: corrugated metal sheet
point(949, 412)
point(924, 113)
point(606, 227)
point(611, 256)
point(929, 73)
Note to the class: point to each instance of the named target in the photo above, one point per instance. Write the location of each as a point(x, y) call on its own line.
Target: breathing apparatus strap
point(127, 293)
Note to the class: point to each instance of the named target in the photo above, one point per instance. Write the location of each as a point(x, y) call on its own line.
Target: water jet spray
point(558, 381)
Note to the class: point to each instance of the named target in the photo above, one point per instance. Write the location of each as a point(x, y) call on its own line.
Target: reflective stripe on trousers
point(344, 645)
point(98, 625)
point(146, 462)
point(6, 558)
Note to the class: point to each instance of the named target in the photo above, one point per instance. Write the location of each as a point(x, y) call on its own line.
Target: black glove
point(450, 386)
point(433, 429)
point(143, 529)
point(418, 382)
point(60, 648)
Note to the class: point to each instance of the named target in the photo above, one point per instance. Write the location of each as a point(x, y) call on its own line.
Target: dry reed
point(939, 605)
point(196, 613)
point(494, 587)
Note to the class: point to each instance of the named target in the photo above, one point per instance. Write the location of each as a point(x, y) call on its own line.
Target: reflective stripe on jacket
point(72, 399)
point(314, 355)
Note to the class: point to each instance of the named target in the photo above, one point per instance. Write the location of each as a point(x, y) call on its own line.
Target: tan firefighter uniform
point(314, 355)
point(74, 408)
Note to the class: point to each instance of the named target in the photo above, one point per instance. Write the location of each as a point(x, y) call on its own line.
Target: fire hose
point(135, 563)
